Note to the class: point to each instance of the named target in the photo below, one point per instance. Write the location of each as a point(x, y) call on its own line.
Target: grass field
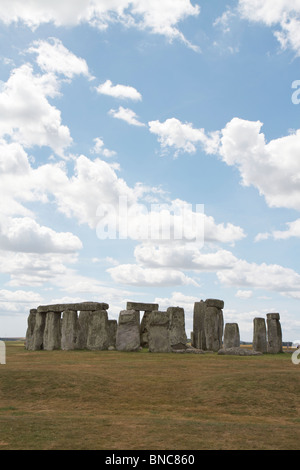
point(112, 400)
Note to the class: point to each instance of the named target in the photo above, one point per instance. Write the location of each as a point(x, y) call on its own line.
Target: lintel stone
point(82, 306)
point(141, 306)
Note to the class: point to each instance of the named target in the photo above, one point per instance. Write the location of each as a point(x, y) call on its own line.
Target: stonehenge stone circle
point(85, 325)
point(259, 335)
point(274, 333)
point(128, 331)
point(231, 336)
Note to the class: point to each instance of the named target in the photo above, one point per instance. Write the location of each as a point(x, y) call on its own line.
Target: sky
point(150, 152)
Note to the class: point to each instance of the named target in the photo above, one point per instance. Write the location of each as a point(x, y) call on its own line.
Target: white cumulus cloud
point(119, 91)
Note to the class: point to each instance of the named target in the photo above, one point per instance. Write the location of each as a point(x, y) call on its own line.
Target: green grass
point(113, 400)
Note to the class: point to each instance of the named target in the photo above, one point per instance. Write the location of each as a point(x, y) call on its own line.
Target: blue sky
point(164, 105)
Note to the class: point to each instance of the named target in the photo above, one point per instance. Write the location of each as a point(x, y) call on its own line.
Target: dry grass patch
point(112, 400)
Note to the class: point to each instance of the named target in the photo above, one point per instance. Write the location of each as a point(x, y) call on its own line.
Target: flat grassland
point(114, 401)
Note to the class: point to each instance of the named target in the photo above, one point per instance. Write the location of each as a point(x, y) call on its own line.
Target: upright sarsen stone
point(231, 336)
point(83, 326)
point(97, 334)
point(52, 333)
point(159, 332)
point(213, 327)
point(112, 333)
point(259, 335)
point(199, 341)
point(274, 333)
point(30, 329)
point(128, 331)
point(38, 332)
point(208, 324)
point(145, 328)
point(69, 330)
point(177, 325)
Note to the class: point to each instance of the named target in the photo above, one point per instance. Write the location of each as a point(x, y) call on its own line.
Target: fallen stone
point(239, 352)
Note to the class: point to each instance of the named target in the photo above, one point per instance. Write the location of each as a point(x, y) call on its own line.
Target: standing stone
point(159, 332)
point(97, 334)
point(199, 341)
point(259, 335)
point(213, 327)
point(38, 332)
point(177, 326)
point(145, 328)
point(52, 333)
point(30, 329)
point(112, 333)
point(69, 330)
point(231, 336)
point(83, 326)
point(274, 333)
point(128, 331)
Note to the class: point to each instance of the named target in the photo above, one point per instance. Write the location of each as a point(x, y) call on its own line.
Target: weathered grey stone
point(177, 325)
point(81, 306)
point(239, 352)
point(259, 335)
point(97, 334)
point(38, 332)
point(128, 331)
point(215, 303)
point(274, 333)
point(69, 330)
point(83, 326)
point(142, 307)
point(213, 327)
point(159, 332)
point(112, 334)
point(231, 336)
point(179, 347)
point(198, 325)
point(145, 328)
point(30, 329)
point(52, 333)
